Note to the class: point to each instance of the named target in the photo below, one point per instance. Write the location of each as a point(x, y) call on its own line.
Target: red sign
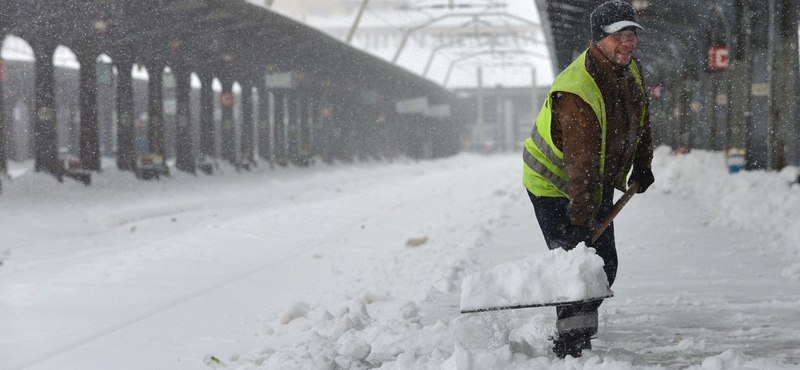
point(718, 58)
point(226, 99)
point(655, 91)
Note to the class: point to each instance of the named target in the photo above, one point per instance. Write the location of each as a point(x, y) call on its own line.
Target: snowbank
point(764, 201)
point(391, 334)
point(394, 332)
point(557, 276)
point(188, 266)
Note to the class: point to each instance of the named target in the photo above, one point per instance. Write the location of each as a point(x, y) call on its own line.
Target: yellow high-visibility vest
point(543, 163)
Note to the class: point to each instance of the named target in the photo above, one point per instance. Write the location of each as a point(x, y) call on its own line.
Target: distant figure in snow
point(593, 128)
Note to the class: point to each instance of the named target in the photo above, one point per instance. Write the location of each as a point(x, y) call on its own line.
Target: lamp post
point(356, 21)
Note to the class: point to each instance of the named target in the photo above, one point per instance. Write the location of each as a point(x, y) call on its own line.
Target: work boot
point(559, 347)
point(571, 344)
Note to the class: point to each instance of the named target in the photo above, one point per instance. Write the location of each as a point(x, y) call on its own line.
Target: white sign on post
point(283, 80)
point(439, 111)
point(411, 106)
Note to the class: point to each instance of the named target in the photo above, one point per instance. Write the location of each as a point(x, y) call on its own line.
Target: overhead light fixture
point(100, 25)
point(640, 5)
point(174, 44)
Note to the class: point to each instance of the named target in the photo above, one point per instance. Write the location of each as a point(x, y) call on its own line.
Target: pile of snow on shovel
point(557, 276)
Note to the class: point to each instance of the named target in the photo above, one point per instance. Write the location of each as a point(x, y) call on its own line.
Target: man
point(593, 128)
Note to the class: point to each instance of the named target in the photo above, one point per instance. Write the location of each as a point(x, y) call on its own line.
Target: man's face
point(618, 47)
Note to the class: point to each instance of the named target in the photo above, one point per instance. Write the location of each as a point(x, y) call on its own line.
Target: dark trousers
point(553, 216)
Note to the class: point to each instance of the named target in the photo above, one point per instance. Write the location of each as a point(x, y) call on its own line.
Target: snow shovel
point(596, 234)
point(615, 211)
point(567, 303)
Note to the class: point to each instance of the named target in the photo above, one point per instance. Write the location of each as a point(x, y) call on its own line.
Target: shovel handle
point(615, 211)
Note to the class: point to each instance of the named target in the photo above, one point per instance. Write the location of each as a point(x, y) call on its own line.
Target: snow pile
point(732, 359)
point(558, 276)
point(177, 269)
point(402, 327)
point(392, 336)
point(764, 201)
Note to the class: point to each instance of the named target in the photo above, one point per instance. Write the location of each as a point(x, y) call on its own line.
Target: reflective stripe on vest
point(546, 149)
point(539, 167)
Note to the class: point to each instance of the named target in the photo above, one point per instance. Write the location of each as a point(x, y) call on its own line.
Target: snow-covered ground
point(357, 266)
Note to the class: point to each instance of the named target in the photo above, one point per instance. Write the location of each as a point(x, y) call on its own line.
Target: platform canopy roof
point(234, 40)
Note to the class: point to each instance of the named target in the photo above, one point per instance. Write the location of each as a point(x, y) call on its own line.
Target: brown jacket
point(576, 132)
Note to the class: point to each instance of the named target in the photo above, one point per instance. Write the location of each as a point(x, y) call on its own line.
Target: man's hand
point(644, 177)
point(581, 233)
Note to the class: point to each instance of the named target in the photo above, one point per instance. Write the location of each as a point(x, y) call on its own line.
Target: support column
point(228, 125)
point(699, 138)
point(3, 125)
point(498, 133)
point(509, 126)
point(310, 130)
point(126, 157)
point(739, 80)
point(266, 118)
point(296, 129)
point(207, 139)
point(185, 160)
point(760, 122)
point(287, 128)
point(414, 135)
point(279, 133)
point(673, 87)
point(320, 113)
point(718, 115)
point(323, 129)
point(479, 132)
point(45, 139)
point(383, 130)
point(343, 130)
point(248, 156)
point(684, 139)
point(718, 36)
point(336, 141)
point(89, 130)
point(786, 80)
point(155, 129)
